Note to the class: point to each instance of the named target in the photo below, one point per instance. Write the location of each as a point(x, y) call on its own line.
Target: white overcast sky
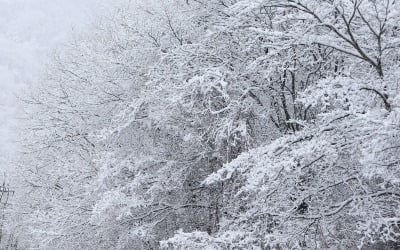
point(29, 31)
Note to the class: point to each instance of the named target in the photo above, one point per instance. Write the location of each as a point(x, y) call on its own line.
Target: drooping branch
point(384, 98)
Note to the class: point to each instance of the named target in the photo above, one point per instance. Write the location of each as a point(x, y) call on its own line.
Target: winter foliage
point(219, 124)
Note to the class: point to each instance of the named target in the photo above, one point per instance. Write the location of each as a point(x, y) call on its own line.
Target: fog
point(29, 31)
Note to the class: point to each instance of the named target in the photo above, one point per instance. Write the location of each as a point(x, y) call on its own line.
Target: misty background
point(29, 31)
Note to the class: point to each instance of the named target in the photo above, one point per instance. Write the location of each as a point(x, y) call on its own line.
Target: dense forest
point(215, 124)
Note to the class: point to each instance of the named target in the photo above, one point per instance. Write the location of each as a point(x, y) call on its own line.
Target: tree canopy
point(219, 124)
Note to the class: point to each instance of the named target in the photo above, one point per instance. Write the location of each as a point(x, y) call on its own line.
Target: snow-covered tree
point(219, 124)
point(334, 184)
